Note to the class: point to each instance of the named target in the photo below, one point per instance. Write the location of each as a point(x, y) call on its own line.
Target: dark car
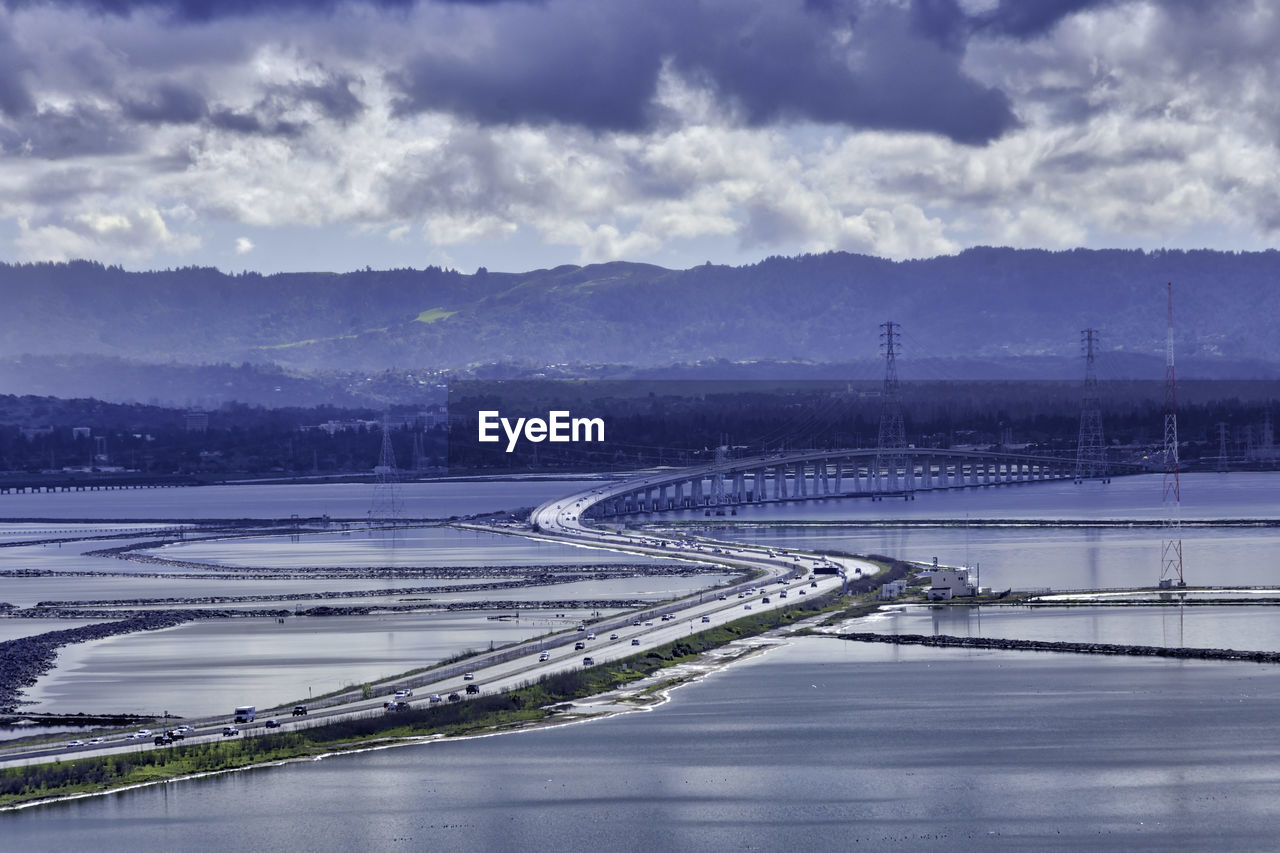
point(273, 724)
point(299, 710)
point(454, 697)
point(473, 689)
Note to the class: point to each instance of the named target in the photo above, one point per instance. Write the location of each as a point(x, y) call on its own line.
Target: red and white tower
point(1171, 559)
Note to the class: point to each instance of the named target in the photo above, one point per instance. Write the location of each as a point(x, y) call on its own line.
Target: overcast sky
point(295, 135)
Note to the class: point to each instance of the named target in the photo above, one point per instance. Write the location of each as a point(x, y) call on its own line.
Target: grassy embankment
point(521, 707)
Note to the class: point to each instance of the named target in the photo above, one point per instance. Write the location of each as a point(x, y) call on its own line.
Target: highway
point(785, 576)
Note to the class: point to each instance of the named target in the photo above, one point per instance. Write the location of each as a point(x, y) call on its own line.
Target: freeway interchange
point(781, 577)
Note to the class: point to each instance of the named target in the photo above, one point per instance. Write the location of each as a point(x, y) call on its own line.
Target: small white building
point(947, 584)
point(892, 590)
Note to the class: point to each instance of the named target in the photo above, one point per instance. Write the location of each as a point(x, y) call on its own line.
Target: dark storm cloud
point(333, 97)
point(75, 132)
point(196, 11)
point(15, 99)
point(598, 65)
point(168, 104)
point(1027, 18)
point(254, 124)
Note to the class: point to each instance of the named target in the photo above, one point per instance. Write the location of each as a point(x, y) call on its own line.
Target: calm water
point(312, 500)
point(1202, 627)
point(27, 591)
point(1049, 558)
point(199, 668)
point(430, 546)
point(822, 745)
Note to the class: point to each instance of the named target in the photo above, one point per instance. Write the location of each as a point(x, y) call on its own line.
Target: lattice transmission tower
point(892, 444)
point(387, 504)
point(1171, 551)
point(1091, 450)
point(718, 497)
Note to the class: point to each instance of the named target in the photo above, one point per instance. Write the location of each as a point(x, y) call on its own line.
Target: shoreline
point(610, 703)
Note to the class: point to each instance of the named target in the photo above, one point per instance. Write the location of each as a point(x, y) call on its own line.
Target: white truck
point(245, 714)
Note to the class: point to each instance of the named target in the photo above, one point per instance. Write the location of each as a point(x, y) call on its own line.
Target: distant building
point(334, 427)
point(892, 590)
point(81, 432)
point(197, 421)
point(947, 584)
point(30, 433)
point(433, 416)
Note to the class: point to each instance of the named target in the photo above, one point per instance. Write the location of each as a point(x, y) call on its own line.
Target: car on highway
point(613, 636)
point(473, 689)
point(143, 733)
point(545, 656)
point(746, 607)
point(230, 731)
point(813, 583)
point(635, 641)
point(581, 627)
point(765, 600)
point(184, 729)
point(273, 724)
point(470, 676)
point(74, 743)
point(299, 710)
point(635, 624)
point(588, 661)
point(706, 618)
point(591, 636)
point(454, 697)
point(435, 697)
point(648, 623)
point(722, 598)
point(95, 741)
point(782, 594)
point(579, 646)
point(404, 694)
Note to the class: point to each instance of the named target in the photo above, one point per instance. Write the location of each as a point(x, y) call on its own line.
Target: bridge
point(49, 484)
point(809, 475)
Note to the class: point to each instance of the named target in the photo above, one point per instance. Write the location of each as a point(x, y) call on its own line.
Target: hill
point(983, 304)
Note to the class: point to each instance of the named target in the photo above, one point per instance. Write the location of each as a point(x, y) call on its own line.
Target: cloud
point(861, 64)
point(102, 235)
point(168, 103)
point(243, 245)
point(197, 11)
point(638, 128)
point(15, 98)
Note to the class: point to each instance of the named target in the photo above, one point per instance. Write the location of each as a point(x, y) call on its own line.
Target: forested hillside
point(983, 303)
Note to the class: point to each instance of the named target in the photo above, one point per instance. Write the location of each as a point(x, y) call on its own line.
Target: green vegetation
point(431, 315)
point(524, 706)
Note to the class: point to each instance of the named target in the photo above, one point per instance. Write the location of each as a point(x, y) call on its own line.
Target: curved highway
point(781, 577)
